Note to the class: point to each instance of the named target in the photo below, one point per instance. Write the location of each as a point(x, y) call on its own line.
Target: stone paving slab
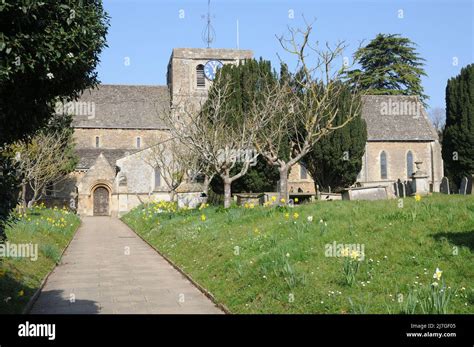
point(107, 268)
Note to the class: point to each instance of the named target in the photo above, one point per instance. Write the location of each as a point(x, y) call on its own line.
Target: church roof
point(122, 107)
point(88, 156)
point(396, 118)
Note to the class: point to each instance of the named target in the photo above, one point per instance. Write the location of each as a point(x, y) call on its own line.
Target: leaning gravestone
point(463, 188)
point(444, 187)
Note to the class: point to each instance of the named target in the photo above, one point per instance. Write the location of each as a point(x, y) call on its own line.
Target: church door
point(101, 202)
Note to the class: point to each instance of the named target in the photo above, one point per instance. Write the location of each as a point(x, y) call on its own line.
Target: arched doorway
point(101, 201)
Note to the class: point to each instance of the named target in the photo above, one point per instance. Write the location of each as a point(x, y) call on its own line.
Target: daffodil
point(437, 274)
point(417, 197)
point(203, 217)
point(274, 198)
point(282, 200)
point(21, 293)
point(296, 200)
point(310, 219)
point(287, 215)
point(354, 254)
point(251, 205)
point(295, 215)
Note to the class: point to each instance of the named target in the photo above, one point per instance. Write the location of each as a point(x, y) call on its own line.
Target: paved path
point(96, 271)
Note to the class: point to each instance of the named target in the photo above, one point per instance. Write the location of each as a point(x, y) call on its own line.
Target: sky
point(143, 33)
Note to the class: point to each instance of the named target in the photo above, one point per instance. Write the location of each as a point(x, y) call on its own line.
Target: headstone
point(463, 189)
point(395, 189)
point(469, 184)
point(401, 189)
point(407, 188)
point(444, 186)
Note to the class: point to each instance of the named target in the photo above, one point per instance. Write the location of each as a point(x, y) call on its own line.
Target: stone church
point(114, 126)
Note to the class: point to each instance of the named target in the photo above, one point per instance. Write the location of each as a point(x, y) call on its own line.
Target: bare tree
point(438, 118)
point(42, 161)
point(216, 142)
point(173, 160)
point(299, 110)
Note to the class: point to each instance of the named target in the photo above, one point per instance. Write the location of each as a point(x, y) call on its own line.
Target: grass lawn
point(271, 260)
point(49, 229)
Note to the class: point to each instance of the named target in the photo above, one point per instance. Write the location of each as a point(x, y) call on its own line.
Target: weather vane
point(208, 34)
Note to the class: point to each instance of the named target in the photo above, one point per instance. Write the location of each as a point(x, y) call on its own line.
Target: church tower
point(191, 71)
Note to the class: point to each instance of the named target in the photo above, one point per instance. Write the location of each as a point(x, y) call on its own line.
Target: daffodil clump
point(352, 260)
point(40, 218)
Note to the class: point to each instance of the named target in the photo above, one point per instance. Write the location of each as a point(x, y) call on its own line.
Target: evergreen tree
point(336, 159)
point(389, 65)
point(458, 136)
point(246, 81)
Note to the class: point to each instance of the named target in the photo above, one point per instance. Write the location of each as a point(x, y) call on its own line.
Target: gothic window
point(200, 79)
point(383, 165)
point(409, 163)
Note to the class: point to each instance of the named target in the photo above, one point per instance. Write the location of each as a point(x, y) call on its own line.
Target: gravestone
point(444, 186)
point(408, 188)
point(419, 183)
point(395, 189)
point(469, 184)
point(401, 189)
point(463, 188)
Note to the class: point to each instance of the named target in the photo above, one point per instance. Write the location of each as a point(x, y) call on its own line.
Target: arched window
point(383, 165)
point(409, 163)
point(157, 177)
point(200, 79)
point(303, 172)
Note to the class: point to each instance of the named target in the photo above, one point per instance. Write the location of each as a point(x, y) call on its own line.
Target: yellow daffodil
point(251, 205)
point(295, 215)
point(296, 200)
point(203, 217)
point(417, 197)
point(345, 252)
point(437, 274)
point(274, 198)
point(282, 200)
point(287, 215)
point(354, 254)
point(21, 293)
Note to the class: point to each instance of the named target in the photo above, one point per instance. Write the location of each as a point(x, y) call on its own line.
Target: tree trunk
point(284, 183)
point(227, 191)
point(172, 195)
point(23, 197)
point(206, 183)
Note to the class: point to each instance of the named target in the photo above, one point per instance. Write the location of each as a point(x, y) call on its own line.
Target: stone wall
point(427, 152)
point(117, 138)
point(295, 181)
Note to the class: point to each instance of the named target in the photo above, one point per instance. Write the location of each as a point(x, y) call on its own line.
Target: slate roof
point(124, 107)
point(88, 156)
point(396, 118)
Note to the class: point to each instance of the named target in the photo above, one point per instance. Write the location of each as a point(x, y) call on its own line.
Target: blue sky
point(143, 32)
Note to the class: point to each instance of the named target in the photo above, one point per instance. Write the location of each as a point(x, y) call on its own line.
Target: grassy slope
point(400, 243)
point(21, 277)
